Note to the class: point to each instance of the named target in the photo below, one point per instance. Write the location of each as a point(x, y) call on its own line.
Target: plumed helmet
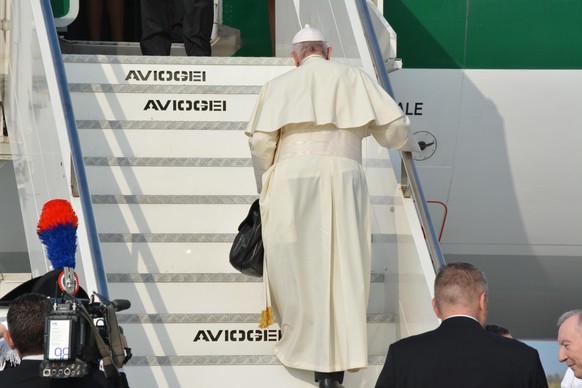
point(309, 34)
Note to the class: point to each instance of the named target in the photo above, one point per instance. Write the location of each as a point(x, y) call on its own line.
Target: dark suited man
point(460, 353)
point(26, 324)
point(197, 20)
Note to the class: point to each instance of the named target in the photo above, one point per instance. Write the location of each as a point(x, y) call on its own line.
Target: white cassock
point(315, 206)
point(570, 381)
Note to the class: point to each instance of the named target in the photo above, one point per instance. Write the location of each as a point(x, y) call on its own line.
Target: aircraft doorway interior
point(239, 29)
point(105, 20)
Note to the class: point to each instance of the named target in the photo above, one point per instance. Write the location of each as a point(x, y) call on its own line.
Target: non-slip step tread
point(164, 89)
point(130, 161)
point(162, 125)
point(177, 60)
point(142, 199)
point(210, 238)
point(133, 161)
point(166, 237)
point(197, 278)
point(222, 360)
point(221, 318)
point(167, 199)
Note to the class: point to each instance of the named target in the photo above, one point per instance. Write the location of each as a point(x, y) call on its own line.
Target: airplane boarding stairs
point(170, 177)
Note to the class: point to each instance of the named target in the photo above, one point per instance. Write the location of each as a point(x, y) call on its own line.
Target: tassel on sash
point(267, 318)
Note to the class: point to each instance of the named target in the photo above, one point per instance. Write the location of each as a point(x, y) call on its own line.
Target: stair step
point(155, 144)
point(208, 297)
point(234, 371)
point(200, 254)
point(187, 257)
point(126, 180)
point(140, 70)
point(192, 337)
point(161, 218)
point(192, 105)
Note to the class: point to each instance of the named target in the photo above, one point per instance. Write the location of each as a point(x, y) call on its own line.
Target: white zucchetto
point(309, 34)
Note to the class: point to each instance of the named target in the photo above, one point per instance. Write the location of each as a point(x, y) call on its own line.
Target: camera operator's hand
point(126, 349)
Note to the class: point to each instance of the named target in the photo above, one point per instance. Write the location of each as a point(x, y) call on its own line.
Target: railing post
point(410, 182)
point(404, 184)
point(76, 154)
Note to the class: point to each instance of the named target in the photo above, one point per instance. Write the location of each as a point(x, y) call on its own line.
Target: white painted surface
point(154, 143)
point(176, 181)
point(506, 162)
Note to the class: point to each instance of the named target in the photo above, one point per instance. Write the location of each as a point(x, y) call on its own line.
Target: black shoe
point(329, 383)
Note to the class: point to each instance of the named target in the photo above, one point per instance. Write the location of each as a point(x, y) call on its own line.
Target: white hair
point(569, 314)
point(310, 46)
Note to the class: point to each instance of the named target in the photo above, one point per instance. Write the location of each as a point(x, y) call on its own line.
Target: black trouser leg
point(197, 26)
point(337, 376)
point(155, 26)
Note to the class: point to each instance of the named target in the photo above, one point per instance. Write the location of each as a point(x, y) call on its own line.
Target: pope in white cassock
point(305, 136)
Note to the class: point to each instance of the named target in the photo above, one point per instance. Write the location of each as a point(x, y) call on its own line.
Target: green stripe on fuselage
point(487, 34)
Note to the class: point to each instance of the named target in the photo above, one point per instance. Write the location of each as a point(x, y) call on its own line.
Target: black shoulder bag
point(246, 253)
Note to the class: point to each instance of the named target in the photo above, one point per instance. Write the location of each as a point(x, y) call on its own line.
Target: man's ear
point(483, 309)
point(8, 339)
point(295, 58)
point(328, 53)
point(483, 301)
point(436, 309)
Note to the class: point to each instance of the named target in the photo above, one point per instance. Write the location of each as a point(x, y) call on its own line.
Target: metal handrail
point(410, 181)
point(76, 154)
point(446, 210)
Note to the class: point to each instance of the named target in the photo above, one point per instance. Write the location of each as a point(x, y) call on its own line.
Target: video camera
point(81, 333)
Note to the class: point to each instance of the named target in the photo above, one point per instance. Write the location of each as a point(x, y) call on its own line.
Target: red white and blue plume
point(57, 230)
